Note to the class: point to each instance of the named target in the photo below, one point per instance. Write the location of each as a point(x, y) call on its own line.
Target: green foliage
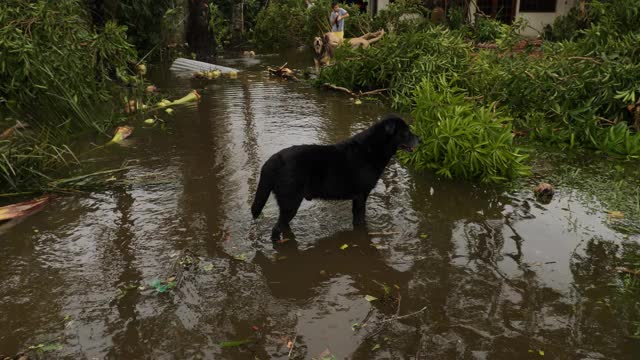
point(141, 17)
point(389, 19)
point(218, 25)
point(279, 25)
point(487, 29)
point(56, 75)
point(51, 52)
point(573, 93)
point(575, 87)
point(399, 62)
point(460, 139)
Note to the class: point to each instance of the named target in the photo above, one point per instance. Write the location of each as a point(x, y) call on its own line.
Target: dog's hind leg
point(359, 208)
point(288, 205)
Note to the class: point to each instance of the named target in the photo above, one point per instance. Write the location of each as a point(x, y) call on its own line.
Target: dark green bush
point(399, 62)
point(279, 25)
point(56, 75)
point(50, 51)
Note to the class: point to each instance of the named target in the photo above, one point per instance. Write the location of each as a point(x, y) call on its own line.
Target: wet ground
point(460, 271)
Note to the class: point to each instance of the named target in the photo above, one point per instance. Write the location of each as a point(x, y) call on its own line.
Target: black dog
point(344, 171)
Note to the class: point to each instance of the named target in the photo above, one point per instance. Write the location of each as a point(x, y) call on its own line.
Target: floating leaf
point(541, 352)
point(47, 347)
point(355, 326)
point(155, 283)
point(150, 121)
point(358, 102)
point(235, 343)
point(169, 111)
point(208, 267)
point(344, 246)
point(424, 236)
point(370, 298)
point(616, 215)
point(23, 209)
point(375, 347)
point(122, 132)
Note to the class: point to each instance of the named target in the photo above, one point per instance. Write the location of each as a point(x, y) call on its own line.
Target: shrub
point(55, 75)
point(54, 63)
point(460, 139)
point(279, 25)
point(399, 62)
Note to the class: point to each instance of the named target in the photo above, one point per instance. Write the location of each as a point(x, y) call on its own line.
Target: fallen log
point(352, 93)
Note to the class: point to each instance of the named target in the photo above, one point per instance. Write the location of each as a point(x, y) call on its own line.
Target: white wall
point(538, 20)
point(382, 4)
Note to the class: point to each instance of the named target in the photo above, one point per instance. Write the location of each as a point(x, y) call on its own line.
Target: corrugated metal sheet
point(186, 67)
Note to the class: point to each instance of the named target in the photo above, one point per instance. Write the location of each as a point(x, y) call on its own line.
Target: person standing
point(336, 20)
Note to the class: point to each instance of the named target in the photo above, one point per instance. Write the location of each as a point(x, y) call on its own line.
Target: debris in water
point(11, 131)
point(132, 106)
point(168, 111)
point(234, 343)
point(164, 286)
point(151, 89)
point(42, 348)
point(150, 121)
point(207, 75)
point(208, 267)
point(544, 191)
point(370, 298)
point(142, 69)
point(357, 102)
point(383, 233)
point(344, 246)
point(22, 209)
point(621, 269)
point(326, 355)
point(122, 132)
point(283, 72)
point(615, 215)
point(375, 347)
point(233, 75)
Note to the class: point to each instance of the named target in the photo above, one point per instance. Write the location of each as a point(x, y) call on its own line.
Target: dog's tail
point(267, 177)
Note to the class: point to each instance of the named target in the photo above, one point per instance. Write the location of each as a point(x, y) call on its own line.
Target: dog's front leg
point(359, 208)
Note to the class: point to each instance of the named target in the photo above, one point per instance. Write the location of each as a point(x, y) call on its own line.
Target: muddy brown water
point(499, 275)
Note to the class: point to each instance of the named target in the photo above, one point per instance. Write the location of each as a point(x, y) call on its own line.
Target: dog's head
point(318, 45)
point(400, 133)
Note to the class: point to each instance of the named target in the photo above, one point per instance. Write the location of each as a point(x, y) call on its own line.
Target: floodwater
point(460, 271)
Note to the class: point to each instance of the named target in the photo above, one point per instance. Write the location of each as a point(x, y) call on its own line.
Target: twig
point(372, 92)
point(383, 233)
point(398, 309)
point(595, 61)
point(293, 344)
point(358, 94)
point(339, 88)
point(395, 318)
point(478, 332)
point(382, 324)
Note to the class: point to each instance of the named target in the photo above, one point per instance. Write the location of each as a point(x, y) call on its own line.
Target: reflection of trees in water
point(477, 308)
point(126, 336)
point(604, 314)
point(250, 141)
